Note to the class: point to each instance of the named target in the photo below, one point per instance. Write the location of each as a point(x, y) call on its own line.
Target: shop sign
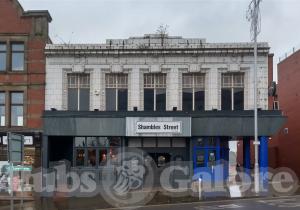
point(22, 168)
point(158, 127)
point(28, 140)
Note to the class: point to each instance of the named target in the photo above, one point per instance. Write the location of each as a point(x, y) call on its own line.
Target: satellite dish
point(273, 89)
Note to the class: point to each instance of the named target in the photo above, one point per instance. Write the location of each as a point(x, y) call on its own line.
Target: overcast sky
point(93, 21)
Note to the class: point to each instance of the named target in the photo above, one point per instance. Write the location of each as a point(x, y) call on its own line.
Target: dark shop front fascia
point(88, 140)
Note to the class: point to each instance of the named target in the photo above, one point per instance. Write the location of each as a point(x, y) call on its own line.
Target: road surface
point(282, 203)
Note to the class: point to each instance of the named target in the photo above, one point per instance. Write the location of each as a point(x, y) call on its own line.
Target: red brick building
point(23, 36)
point(287, 141)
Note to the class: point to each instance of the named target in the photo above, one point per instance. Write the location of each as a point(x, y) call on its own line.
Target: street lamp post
point(254, 16)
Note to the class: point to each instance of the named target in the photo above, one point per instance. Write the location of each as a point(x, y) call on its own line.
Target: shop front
point(32, 148)
point(32, 160)
point(91, 140)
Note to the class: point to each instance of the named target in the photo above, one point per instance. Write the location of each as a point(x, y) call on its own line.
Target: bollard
point(199, 188)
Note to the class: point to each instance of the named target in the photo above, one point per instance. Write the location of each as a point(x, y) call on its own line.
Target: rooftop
point(152, 42)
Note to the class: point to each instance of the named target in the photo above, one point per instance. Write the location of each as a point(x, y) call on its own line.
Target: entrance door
point(205, 160)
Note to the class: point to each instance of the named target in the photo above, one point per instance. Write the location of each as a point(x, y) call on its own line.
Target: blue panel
point(246, 155)
point(218, 148)
point(220, 170)
point(263, 162)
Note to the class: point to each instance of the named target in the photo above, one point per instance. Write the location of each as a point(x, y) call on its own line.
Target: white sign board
point(158, 127)
point(28, 140)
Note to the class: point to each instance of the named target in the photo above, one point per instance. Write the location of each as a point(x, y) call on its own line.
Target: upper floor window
point(17, 108)
point(2, 108)
point(116, 88)
point(3, 54)
point(17, 56)
point(155, 92)
point(193, 94)
point(232, 91)
point(78, 92)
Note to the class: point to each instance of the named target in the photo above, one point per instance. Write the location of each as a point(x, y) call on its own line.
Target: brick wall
point(31, 28)
point(289, 100)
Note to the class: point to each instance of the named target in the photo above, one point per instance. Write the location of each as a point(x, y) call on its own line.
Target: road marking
point(282, 203)
point(229, 206)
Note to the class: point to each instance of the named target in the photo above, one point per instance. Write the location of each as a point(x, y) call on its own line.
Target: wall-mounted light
point(286, 130)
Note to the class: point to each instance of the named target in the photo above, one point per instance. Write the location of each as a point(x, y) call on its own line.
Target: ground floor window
point(96, 151)
point(29, 155)
point(31, 150)
point(162, 150)
point(152, 142)
point(3, 152)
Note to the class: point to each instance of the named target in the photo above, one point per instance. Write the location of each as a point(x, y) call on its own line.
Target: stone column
point(54, 88)
point(95, 89)
point(134, 90)
point(213, 89)
point(172, 94)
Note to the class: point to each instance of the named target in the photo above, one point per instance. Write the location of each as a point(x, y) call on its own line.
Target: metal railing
point(289, 53)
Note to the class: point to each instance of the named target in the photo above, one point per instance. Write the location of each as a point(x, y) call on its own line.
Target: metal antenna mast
point(253, 16)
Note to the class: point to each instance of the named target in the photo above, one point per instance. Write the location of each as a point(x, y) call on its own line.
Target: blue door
point(209, 160)
point(205, 162)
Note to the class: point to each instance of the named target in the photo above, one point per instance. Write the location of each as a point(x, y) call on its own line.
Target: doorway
point(210, 158)
point(160, 159)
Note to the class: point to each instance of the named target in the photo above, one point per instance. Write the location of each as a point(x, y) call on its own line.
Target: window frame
point(114, 82)
point(11, 105)
point(230, 82)
point(79, 81)
point(158, 81)
point(6, 55)
point(98, 148)
point(12, 52)
point(4, 106)
point(194, 85)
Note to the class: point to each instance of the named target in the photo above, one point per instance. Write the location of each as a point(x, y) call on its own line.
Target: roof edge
point(38, 13)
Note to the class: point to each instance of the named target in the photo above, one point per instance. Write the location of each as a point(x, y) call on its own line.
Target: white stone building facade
point(136, 56)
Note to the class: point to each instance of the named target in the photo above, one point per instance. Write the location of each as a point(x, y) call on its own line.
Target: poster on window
point(17, 180)
point(4, 176)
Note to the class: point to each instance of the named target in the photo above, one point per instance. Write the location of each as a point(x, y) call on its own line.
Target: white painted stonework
point(138, 55)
